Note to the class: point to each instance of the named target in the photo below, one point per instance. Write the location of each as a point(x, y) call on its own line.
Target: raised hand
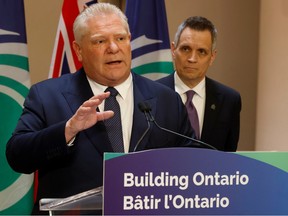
point(86, 116)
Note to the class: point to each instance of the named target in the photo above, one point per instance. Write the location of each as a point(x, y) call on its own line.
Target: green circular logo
point(16, 189)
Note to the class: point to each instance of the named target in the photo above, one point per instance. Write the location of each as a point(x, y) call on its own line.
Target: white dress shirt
point(198, 99)
point(126, 102)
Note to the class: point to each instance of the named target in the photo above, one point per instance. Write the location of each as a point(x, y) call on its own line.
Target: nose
point(193, 57)
point(113, 47)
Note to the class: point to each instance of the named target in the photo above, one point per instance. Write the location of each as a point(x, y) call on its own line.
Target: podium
point(83, 202)
point(186, 181)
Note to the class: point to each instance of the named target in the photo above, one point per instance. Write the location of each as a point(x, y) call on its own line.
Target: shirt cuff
point(71, 142)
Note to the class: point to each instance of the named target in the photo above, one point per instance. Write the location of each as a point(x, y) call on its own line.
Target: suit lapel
point(212, 108)
point(77, 92)
point(139, 120)
point(169, 81)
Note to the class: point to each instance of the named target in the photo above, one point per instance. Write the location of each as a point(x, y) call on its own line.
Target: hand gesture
point(86, 116)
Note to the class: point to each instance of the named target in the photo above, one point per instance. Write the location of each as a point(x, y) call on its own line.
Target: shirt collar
point(122, 88)
point(181, 87)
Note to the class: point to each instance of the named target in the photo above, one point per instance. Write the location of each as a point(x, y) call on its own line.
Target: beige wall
point(272, 103)
point(41, 26)
point(236, 64)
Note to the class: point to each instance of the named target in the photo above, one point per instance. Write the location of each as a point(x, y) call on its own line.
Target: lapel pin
point(213, 106)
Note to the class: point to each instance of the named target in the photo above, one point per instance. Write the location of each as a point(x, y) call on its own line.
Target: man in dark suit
point(218, 106)
point(62, 131)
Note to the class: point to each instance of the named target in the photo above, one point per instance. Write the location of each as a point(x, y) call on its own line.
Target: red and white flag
point(64, 59)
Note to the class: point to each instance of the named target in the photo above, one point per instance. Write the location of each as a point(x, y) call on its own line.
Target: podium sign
point(185, 181)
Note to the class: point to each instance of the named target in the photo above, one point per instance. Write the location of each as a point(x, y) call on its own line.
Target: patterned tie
point(192, 112)
point(113, 125)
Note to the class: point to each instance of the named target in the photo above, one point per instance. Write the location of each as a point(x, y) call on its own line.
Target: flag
point(64, 59)
point(16, 190)
point(151, 55)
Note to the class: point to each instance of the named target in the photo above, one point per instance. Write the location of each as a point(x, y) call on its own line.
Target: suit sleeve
point(34, 144)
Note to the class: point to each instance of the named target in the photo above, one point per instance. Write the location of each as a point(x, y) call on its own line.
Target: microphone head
point(144, 107)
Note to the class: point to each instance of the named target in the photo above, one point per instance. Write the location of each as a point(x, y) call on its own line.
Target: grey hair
point(92, 11)
point(197, 23)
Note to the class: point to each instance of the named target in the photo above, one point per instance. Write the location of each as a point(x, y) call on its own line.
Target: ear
point(129, 36)
point(213, 56)
point(77, 50)
point(173, 50)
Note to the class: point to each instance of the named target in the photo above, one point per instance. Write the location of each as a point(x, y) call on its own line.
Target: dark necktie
point(114, 125)
point(192, 112)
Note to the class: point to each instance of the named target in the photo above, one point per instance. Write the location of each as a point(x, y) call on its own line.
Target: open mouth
point(114, 62)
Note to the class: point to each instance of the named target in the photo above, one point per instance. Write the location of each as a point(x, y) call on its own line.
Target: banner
point(191, 181)
point(16, 190)
point(64, 59)
point(150, 38)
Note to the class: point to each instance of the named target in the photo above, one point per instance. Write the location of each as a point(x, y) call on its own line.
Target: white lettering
point(180, 202)
point(200, 179)
point(140, 203)
point(164, 179)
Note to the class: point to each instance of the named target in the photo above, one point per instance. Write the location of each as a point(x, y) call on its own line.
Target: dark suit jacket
point(221, 124)
point(38, 142)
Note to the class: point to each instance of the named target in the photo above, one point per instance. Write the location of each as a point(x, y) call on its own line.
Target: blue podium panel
point(186, 181)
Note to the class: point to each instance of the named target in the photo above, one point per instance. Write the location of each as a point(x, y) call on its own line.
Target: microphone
point(146, 109)
point(142, 107)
